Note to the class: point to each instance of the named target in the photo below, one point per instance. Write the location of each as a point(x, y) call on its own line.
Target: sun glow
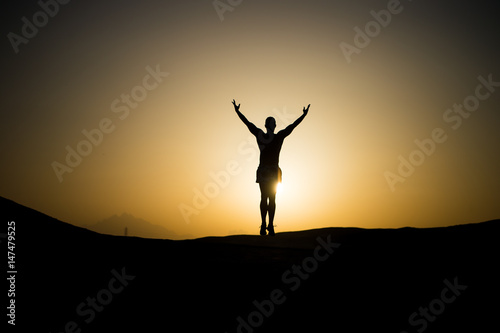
point(279, 188)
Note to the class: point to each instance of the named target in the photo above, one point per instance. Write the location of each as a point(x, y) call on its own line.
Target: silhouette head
point(270, 124)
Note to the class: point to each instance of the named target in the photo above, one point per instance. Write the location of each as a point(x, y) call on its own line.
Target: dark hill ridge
point(373, 281)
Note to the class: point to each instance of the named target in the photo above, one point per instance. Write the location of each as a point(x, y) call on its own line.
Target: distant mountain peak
point(116, 224)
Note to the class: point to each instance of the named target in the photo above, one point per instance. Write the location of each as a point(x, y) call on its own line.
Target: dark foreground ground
point(70, 279)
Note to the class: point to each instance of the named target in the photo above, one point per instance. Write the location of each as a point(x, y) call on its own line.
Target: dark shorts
point(268, 174)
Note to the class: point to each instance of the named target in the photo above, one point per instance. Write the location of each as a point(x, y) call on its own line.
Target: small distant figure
point(269, 172)
point(126, 231)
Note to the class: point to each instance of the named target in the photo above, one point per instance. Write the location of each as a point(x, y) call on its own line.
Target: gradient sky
point(273, 57)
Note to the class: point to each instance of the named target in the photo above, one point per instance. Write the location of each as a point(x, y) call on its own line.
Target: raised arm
point(253, 129)
point(292, 126)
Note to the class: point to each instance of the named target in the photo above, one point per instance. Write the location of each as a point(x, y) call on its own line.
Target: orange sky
point(159, 77)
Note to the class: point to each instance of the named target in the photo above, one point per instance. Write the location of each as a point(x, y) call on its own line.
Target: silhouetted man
point(269, 172)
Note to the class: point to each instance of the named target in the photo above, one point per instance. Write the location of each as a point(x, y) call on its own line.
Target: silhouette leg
point(271, 210)
point(263, 208)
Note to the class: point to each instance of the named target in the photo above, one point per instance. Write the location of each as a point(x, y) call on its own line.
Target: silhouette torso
point(270, 147)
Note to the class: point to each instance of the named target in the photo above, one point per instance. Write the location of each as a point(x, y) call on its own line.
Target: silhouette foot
point(271, 230)
point(263, 230)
